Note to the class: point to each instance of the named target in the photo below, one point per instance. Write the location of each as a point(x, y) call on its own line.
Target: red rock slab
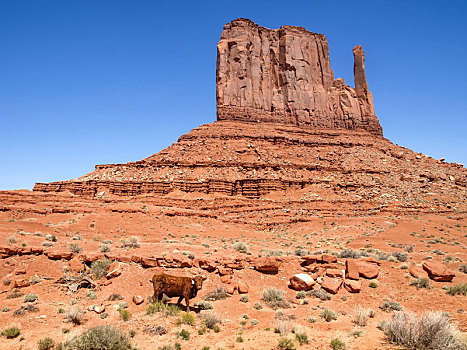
point(309, 259)
point(8, 251)
point(438, 272)
point(230, 288)
point(58, 254)
point(115, 270)
point(148, 262)
point(335, 273)
point(138, 299)
point(37, 250)
point(367, 270)
point(242, 288)
point(330, 284)
point(328, 259)
point(301, 281)
point(417, 272)
point(207, 264)
point(222, 271)
point(353, 286)
point(351, 269)
point(24, 251)
point(370, 260)
point(90, 257)
point(268, 264)
point(21, 283)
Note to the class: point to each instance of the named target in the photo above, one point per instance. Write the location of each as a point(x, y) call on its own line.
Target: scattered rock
point(353, 286)
point(417, 271)
point(301, 281)
point(351, 269)
point(328, 259)
point(268, 264)
point(367, 270)
point(59, 254)
point(138, 299)
point(438, 272)
point(21, 283)
point(147, 262)
point(242, 288)
point(115, 270)
point(330, 284)
point(335, 273)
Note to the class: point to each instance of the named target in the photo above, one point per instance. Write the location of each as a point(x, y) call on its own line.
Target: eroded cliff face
point(284, 76)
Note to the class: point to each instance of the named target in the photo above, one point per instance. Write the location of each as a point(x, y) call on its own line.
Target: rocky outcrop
point(284, 76)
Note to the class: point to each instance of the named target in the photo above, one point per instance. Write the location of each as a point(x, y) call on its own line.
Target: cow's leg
point(187, 302)
point(180, 300)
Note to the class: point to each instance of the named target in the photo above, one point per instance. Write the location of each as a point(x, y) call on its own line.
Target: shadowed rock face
point(284, 76)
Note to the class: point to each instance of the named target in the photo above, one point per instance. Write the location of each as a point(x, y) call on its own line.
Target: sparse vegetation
point(204, 305)
point(100, 337)
point(45, 344)
point(430, 330)
point(218, 294)
point(458, 289)
point(328, 315)
point(168, 310)
point(11, 239)
point(320, 294)
point(187, 318)
point(100, 267)
point(391, 306)
point(274, 298)
point(361, 315)
point(211, 320)
point(11, 332)
point(75, 317)
point(402, 257)
point(125, 314)
point(75, 248)
point(30, 297)
point(184, 334)
point(421, 283)
point(240, 247)
point(131, 242)
point(114, 297)
point(337, 344)
point(285, 344)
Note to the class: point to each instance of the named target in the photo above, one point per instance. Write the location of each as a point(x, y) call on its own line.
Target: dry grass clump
point(421, 283)
point(100, 337)
point(328, 315)
point(100, 267)
point(241, 247)
point(45, 344)
point(166, 309)
point(430, 331)
point(361, 315)
point(11, 332)
point(274, 298)
point(458, 289)
point(391, 306)
point(75, 317)
point(131, 242)
point(211, 320)
point(218, 294)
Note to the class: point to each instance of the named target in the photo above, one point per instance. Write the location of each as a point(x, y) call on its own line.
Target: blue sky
point(92, 82)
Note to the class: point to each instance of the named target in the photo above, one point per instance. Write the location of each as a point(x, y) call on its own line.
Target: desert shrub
point(337, 344)
point(25, 308)
point(16, 293)
point(463, 268)
point(274, 298)
point(458, 289)
point(100, 267)
point(373, 285)
point(100, 338)
point(11, 332)
point(301, 295)
point(402, 257)
point(204, 305)
point(51, 238)
point(131, 242)
point(218, 294)
point(105, 248)
point(352, 254)
point(382, 256)
point(244, 298)
point(168, 310)
point(240, 247)
point(187, 318)
point(311, 319)
point(155, 330)
point(11, 239)
point(45, 344)
point(30, 297)
point(282, 327)
point(114, 297)
point(6, 281)
point(75, 317)
point(300, 335)
point(47, 244)
point(391, 306)
point(421, 283)
point(275, 252)
point(431, 330)
point(75, 248)
point(361, 315)
point(211, 320)
point(285, 343)
point(254, 322)
point(5, 309)
point(91, 295)
point(320, 294)
point(258, 306)
point(184, 334)
point(125, 314)
point(328, 315)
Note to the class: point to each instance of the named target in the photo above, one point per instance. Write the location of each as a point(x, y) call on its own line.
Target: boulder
point(21, 283)
point(328, 259)
point(98, 309)
point(330, 284)
point(351, 269)
point(417, 272)
point(242, 288)
point(115, 270)
point(230, 288)
point(301, 281)
point(438, 272)
point(138, 299)
point(207, 264)
point(148, 261)
point(367, 270)
point(353, 286)
point(335, 273)
point(59, 254)
point(268, 264)
point(371, 260)
point(309, 259)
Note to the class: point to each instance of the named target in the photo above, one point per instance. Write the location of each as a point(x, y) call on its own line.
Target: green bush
point(187, 318)
point(11, 332)
point(458, 289)
point(391, 306)
point(210, 319)
point(100, 267)
point(30, 297)
point(45, 344)
point(328, 315)
point(337, 344)
point(184, 334)
point(100, 338)
point(285, 343)
point(204, 305)
point(125, 314)
point(167, 310)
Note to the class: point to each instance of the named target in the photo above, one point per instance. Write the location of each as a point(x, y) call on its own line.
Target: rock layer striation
point(284, 76)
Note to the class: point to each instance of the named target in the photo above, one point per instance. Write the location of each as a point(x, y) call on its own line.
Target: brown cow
point(177, 286)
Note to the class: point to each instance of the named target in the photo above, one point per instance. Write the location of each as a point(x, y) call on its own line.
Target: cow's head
point(198, 281)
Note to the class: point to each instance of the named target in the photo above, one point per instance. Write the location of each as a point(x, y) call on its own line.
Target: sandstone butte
point(293, 187)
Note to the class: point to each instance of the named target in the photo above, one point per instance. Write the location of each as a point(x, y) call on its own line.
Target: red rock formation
point(284, 76)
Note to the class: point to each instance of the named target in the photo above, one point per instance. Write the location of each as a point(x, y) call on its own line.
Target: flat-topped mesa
point(284, 76)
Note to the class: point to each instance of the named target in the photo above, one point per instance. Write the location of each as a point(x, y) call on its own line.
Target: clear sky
point(92, 82)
